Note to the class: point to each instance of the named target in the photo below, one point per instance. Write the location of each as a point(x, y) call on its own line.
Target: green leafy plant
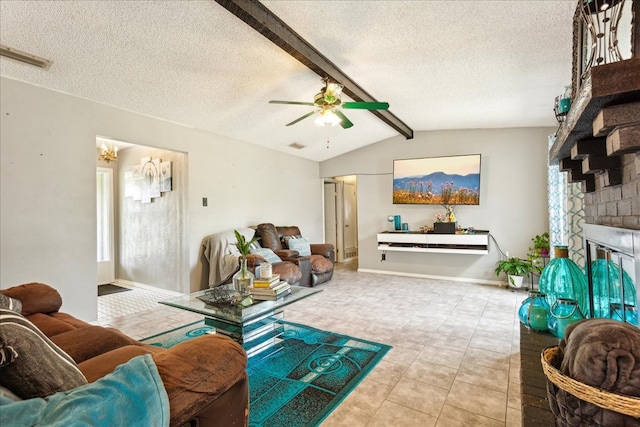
point(514, 266)
point(241, 243)
point(541, 245)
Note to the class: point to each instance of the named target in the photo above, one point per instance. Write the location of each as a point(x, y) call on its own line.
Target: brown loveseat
point(316, 268)
point(223, 258)
point(205, 378)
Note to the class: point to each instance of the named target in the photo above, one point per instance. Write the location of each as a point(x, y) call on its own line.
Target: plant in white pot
point(515, 268)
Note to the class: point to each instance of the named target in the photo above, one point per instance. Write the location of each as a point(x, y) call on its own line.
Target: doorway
point(341, 219)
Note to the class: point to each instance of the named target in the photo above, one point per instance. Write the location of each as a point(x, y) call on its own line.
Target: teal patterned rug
point(300, 380)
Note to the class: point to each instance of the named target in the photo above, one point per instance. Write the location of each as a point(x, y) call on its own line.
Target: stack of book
point(269, 289)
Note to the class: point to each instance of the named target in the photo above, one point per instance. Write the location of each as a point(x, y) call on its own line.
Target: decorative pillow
point(285, 239)
point(132, 395)
point(267, 254)
point(30, 364)
point(10, 303)
point(301, 245)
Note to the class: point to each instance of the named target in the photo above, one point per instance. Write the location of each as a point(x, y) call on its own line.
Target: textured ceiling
point(439, 64)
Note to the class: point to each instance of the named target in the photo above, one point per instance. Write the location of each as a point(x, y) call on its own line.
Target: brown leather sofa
point(316, 268)
point(223, 259)
point(205, 377)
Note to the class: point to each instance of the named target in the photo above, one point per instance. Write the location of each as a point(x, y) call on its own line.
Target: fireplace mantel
point(598, 142)
point(605, 85)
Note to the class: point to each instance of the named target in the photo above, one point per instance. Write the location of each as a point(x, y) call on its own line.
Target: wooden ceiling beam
point(261, 19)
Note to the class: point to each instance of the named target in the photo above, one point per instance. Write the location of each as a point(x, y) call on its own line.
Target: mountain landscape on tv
point(437, 188)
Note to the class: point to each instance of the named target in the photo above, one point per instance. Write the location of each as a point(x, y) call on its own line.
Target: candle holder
point(534, 312)
point(563, 313)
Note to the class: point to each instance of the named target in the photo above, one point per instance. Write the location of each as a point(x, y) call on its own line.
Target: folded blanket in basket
point(602, 353)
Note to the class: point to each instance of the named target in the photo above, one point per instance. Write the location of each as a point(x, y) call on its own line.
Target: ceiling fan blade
point(302, 118)
point(292, 103)
point(344, 122)
point(366, 105)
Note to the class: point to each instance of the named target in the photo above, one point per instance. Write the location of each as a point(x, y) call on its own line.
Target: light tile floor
point(455, 358)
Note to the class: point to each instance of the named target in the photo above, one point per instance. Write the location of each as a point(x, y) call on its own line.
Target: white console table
point(415, 241)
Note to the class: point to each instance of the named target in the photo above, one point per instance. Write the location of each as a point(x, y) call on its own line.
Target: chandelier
point(108, 154)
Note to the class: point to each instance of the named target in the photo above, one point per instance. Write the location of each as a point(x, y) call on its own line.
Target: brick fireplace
point(617, 206)
point(597, 145)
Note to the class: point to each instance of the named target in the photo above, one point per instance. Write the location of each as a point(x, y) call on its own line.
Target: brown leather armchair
point(316, 268)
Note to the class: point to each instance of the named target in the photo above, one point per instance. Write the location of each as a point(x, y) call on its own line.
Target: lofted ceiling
point(439, 64)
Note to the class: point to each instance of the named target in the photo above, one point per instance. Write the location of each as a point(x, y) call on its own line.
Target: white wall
point(48, 196)
point(513, 197)
point(152, 238)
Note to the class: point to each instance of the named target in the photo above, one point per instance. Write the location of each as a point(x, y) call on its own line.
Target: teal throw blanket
point(132, 395)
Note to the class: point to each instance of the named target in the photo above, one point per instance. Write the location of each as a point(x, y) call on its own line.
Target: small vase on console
point(397, 222)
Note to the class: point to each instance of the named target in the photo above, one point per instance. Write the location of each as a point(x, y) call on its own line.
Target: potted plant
point(540, 245)
point(515, 268)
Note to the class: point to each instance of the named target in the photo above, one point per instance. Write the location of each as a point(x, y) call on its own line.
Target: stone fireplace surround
point(598, 144)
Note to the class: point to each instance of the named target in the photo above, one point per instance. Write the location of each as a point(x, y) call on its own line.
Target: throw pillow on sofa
point(30, 364)
point(10, 303)
point(267, 254)
point(300, 244)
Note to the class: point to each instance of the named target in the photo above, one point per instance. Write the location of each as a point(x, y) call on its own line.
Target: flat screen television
point(450, 180)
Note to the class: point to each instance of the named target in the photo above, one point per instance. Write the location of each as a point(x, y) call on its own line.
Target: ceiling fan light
point(334, 89)
point(326, 118)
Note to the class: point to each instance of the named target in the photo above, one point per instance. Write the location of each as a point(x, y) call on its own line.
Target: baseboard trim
point(133, 285)
point(431, 276)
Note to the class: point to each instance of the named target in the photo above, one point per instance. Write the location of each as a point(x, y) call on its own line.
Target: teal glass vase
point(612, 284)
point(397, 222)
point(563, 278)
point(602, 280)
point(563, 313)
point(608, 289)
point(534, 312)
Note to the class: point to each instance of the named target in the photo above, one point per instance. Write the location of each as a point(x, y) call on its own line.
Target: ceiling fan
point(327, 102)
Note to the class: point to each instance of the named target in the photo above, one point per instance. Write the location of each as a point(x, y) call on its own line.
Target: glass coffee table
point(254, 326)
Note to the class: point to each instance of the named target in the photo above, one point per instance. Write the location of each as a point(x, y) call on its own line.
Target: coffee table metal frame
point(255, 326)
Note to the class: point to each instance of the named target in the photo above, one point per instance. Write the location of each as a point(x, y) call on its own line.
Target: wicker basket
point(582, 409)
